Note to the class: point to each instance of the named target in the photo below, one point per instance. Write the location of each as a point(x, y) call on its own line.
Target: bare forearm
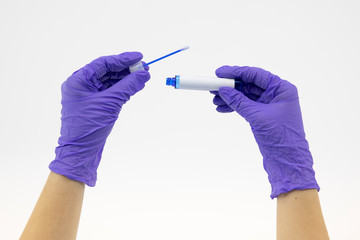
point(299, 216)
point(57, 212)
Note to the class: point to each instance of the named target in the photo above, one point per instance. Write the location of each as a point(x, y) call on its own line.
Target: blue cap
point(171, 81)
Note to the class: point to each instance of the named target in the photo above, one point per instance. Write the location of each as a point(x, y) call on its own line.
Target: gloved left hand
point(91, 101)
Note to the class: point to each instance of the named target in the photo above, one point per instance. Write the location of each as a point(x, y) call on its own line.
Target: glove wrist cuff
point(280, 187)
point(80, 173)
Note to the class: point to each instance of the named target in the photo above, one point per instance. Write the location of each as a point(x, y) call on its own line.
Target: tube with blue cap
point(203, 83)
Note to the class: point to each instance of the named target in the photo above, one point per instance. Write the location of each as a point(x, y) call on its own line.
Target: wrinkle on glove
point(273, 112)
point(91, 101)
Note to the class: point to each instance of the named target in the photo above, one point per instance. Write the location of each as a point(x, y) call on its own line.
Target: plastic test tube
point(136, 67)
point(202, 83)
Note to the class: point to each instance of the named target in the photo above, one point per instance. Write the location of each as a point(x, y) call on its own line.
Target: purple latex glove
point(92, 98)
point(271, 106)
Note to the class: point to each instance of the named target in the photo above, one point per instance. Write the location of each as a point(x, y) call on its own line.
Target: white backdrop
point(173, 167)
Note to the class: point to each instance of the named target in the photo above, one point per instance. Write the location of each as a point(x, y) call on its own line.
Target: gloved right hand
point(271, 106)
point(92, 98)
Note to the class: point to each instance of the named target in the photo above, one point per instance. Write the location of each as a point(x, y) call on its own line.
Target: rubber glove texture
point(271, 106)
point(92, 98)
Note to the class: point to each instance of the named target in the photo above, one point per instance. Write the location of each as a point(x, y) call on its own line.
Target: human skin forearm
point(299, 216)
point(57, 213)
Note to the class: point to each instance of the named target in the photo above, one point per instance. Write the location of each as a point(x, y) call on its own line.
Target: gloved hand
point(271, 106)
point(92, 98)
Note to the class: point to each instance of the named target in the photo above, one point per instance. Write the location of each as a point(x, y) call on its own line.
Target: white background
point(173, 167)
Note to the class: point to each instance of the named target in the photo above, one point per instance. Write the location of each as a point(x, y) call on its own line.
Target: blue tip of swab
point(168, 55)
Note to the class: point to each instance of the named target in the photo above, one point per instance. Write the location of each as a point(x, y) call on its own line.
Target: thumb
point(130, 84)
point(238, 102)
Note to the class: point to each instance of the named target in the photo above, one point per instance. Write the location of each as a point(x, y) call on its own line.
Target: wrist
point(289, 169)
point(85, 176)
point(280, 187)
point(77, 163)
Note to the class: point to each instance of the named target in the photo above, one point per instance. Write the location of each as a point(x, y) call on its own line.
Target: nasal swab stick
point(140, 66)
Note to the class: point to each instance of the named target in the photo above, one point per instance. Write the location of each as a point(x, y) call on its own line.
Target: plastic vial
point(136, 67)
point(202, 83)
